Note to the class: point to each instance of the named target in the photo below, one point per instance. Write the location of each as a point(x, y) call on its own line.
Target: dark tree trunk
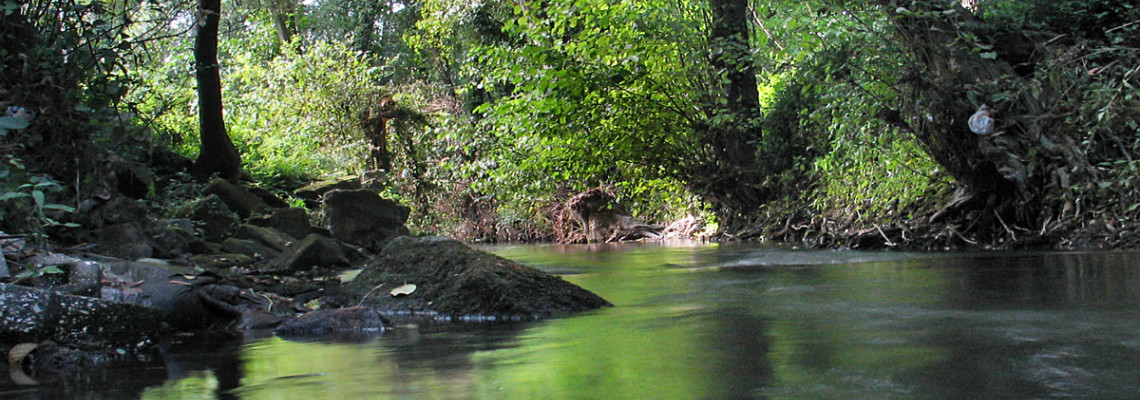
point(217, 154)
point(376, 122)
point(283, 13)
point(728, 178)
point(379, 156)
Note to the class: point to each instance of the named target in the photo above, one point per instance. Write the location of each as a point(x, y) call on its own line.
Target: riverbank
point(925, 226)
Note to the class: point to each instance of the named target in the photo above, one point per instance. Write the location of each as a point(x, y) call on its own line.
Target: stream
point(726, 321)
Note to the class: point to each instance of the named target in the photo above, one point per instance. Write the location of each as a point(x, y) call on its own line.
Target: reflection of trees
point(738, 348)
point(212, 360)
point(963, 327)
point(109, 381)
point(1048, 280)
point(1035, 326)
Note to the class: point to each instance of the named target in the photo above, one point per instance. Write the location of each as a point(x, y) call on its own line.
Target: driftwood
point(599, 218)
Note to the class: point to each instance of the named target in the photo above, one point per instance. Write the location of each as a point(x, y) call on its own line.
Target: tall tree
point(728, 177)
point(217, 154)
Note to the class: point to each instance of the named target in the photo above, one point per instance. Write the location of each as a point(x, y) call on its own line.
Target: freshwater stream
point(733, 321)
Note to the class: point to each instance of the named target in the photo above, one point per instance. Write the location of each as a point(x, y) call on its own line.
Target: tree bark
point(283, 13)
point(376, 122)
point(217, 154)
point(728, 178)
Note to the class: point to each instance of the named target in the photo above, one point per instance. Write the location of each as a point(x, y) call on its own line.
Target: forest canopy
point(840, 123)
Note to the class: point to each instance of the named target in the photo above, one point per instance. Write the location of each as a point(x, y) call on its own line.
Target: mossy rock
point(455, 280)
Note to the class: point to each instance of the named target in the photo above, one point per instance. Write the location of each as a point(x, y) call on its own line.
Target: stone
point(333, 321)
point(459, 282)
point(314, 251)
point(238, 199)
point(314, 191)
point(269, 237)
point(174, 238)
point(374, 179)
point(270, 199)
point(293, 221)
point(249, 248)
point(220, 261)
point(13, 245)
point(364, 218)
point(127, 240)
point(80, 277)
point(187, 298)
point(132, 178)
point(213, 216)
point(117, 210)
point(4, 271)
point(34, 315)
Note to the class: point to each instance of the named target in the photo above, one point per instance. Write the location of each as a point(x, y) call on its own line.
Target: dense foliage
point(490, 114)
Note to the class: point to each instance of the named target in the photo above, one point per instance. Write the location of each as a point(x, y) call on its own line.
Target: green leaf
point(52, 269)
point(38, 196)
point(59, 207)
point(8, 122)
point(12, 195)
point(989, 55)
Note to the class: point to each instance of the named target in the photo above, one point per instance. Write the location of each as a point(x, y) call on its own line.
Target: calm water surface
point(738, 321)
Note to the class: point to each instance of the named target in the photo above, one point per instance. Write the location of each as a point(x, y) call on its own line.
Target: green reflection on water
point(892, 328)
point(199, 385)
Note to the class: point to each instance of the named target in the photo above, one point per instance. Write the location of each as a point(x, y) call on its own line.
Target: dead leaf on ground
point(403, 290)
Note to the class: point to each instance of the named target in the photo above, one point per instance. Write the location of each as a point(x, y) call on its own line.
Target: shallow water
point(737, 321)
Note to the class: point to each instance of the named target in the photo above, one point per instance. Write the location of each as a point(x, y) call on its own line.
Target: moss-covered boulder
point(456, 281)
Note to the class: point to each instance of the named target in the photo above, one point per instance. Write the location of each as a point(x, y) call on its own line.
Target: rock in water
point(335, 321)
point(455, 280)
point(33, 315)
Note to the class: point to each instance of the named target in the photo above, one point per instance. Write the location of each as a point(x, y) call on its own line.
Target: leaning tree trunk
point(1005, 178)
point(728, 178)
point(217, 154)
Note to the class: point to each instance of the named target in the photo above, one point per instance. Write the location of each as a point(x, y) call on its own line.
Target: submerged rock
point(457, 281)
point(333, 321)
